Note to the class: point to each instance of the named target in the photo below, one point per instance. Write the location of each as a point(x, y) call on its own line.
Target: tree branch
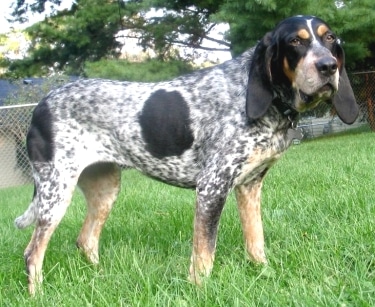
point(184, 44)
point(219, 41)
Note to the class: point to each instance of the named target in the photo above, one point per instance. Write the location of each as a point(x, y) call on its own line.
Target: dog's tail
point(30, 215)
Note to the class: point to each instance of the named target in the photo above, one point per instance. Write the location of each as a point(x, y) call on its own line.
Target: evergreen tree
point(353, 21)
point(67, 39)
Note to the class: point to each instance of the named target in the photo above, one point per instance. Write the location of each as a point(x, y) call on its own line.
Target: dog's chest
point(259, 159)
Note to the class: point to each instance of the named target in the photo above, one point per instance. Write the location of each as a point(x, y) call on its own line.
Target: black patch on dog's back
point(39, 137)
point(165, 123)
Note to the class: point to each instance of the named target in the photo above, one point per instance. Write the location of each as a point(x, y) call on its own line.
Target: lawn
point(318, 207)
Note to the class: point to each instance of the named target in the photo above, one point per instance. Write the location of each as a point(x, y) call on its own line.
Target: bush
point(151, 70)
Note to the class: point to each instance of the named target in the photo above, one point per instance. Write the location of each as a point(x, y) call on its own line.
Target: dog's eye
point(295, 41)
point(330, 38)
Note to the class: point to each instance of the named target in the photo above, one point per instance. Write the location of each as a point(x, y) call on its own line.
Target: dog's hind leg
point(52, 197)
point(100, 184)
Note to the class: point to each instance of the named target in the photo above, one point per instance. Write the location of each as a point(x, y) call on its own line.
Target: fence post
point(370, 104)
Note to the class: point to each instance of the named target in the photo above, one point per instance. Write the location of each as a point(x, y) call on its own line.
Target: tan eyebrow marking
point(321, 30)
point(303, 33)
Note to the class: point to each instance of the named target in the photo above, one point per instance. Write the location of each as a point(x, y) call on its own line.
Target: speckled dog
point(214, 130)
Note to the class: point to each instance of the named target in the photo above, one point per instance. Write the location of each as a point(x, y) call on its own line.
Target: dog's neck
point(286, 110)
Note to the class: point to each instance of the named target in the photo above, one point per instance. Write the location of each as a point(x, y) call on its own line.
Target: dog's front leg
point(210, 203)
point(248, 201)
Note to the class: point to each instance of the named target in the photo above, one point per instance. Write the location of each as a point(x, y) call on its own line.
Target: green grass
point(319, 218)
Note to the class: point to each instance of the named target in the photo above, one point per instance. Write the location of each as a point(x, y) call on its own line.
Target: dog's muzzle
point(326, 92)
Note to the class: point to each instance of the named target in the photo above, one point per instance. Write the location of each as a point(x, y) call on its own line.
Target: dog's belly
point(180, 171)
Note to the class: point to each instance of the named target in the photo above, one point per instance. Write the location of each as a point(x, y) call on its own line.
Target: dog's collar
point(286, 110)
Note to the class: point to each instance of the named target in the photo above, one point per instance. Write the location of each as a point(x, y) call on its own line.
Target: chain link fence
point(323, 120)
point(14, 163)
point(15, 120)
point(363, 84)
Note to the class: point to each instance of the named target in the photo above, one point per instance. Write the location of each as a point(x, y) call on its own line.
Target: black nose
point(327, 66)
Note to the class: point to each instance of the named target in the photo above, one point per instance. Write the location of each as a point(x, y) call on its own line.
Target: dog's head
point(302, 63)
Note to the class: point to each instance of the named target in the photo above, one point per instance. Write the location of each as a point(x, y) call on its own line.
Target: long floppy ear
point(344, 100)
point(259, 91)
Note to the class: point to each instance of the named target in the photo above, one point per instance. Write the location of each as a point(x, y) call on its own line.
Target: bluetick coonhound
point(213, 130)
